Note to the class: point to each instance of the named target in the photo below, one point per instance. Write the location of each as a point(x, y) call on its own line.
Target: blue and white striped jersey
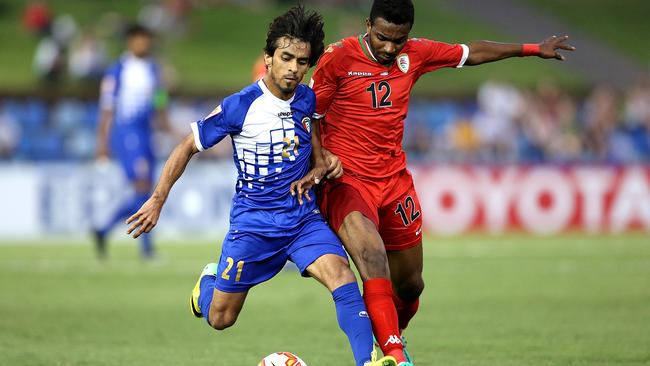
point(128, 90)
point(271, 148)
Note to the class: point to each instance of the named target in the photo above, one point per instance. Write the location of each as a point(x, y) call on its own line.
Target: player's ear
point(368, 25)
point(268, 60)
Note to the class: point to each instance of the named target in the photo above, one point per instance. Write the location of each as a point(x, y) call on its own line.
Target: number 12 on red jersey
point(375, 90)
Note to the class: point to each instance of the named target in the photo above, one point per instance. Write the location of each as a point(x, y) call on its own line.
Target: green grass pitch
point(498, 301)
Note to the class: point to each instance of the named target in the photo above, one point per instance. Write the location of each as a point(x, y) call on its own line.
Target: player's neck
point(275, 90)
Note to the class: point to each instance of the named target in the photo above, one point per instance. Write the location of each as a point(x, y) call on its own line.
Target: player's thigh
point(318, 252)
point(352, 213)
point(248, 259)
point(365, 246)
point(400, 217)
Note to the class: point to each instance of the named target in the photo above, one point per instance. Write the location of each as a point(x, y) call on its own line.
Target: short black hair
point(394, 11)
point(301, 24)
point(136, 29)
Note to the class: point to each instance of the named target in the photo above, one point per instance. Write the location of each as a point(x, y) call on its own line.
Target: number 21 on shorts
point(231, 262)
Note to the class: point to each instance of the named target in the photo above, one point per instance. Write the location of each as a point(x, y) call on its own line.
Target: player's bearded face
point(387, 39)
point(288, 65)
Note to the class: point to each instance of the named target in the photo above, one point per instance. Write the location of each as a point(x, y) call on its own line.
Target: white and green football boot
point(210, 269)
point(406, 354)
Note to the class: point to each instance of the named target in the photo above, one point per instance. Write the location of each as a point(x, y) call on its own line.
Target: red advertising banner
point(536, 199)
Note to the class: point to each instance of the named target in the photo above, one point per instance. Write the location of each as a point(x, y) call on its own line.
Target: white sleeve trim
point(465, 55)
point(197, 139)
point(318, 116)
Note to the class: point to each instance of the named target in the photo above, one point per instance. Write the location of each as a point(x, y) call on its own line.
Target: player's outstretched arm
point(147, 216)
point(485, 51)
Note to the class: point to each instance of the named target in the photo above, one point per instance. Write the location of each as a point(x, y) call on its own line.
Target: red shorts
point(391, 203)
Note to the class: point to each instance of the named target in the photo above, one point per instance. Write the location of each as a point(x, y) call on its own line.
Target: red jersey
point(363, 103)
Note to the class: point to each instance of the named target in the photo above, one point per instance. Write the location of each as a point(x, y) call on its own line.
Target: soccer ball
point(282, 359)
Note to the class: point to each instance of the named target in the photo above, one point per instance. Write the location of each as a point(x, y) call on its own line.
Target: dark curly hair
point(394, 11)
point(301, 24)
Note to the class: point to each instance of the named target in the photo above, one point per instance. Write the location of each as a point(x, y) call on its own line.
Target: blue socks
point(207, 291)
point(128, 208)
point(354, 321)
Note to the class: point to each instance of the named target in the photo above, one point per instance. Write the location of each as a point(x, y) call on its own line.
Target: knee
point(411, 288)
point(339, 275)
point(221, 320)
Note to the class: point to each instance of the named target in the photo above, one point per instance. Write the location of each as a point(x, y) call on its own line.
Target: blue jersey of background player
point(131, 96)
point(269, 122)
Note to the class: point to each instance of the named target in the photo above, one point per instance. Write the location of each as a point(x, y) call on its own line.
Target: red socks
point(405, 310)
point(378, 296)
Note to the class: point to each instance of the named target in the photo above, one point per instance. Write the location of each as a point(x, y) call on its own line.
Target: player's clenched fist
point(146, 218)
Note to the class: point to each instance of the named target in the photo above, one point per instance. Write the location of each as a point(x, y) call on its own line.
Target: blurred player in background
point(131, 97)
point(362, 87)
point(270, 125)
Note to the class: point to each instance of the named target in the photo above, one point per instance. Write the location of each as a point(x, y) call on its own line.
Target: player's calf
point(225, 309)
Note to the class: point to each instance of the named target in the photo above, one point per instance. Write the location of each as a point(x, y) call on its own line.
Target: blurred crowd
point(68, 51)
point(507, 124)
point(502, 124)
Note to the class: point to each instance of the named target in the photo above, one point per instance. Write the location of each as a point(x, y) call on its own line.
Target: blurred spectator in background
point(9, 134)
point(49, 60)
point(636, 116)
point(499, 106)
point(600, 121)
point(37, 18)
point(131, 96)
point(548, 125)
point(88, 58)
point(50, 56)
point(168, 17)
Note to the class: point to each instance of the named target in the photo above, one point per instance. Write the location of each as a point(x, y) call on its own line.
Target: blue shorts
point(250, 258)
point(133, 151)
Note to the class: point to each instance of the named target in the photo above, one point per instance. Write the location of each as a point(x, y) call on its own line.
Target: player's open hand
point(550, 46)
point(300, 188)
point(145, 219)
point(333, 163)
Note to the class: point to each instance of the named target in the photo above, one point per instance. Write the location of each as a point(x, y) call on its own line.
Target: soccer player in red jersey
point(362, 87)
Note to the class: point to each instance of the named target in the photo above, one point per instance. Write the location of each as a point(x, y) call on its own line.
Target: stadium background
point(533, 176)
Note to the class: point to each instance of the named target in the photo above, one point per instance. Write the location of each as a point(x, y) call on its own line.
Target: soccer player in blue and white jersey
point(131, 96)
point(269, 122)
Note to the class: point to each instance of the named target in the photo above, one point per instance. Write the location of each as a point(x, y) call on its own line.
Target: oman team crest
point(403, 62)
point(306, 123)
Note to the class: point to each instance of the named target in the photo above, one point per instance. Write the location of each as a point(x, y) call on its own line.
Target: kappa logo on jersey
point(306, 123)
point(359, 73)
point(403, 62)
point(363, 314)
point(214, 112)
point(393, 339)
